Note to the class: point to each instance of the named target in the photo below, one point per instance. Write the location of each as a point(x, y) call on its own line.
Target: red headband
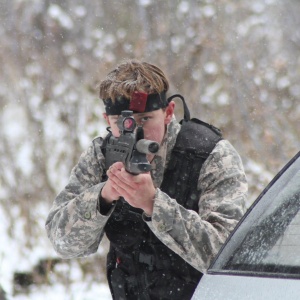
point(139, 102)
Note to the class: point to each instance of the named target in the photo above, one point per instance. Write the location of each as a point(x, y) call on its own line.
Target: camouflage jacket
point(75, 226)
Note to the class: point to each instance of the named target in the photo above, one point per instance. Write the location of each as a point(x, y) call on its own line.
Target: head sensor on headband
point(140, 102)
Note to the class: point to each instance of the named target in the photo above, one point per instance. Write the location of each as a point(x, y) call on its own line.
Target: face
point(154, 122)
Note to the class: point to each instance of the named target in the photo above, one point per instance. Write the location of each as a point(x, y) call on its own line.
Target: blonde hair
point(131, 76)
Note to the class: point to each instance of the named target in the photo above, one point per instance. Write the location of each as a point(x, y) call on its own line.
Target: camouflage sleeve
point(197, 237)
point(74, 225)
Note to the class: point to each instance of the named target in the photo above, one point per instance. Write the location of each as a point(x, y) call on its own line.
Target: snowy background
point(236, 63)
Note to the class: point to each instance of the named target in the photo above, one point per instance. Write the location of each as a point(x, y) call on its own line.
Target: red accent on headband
point(138, 101)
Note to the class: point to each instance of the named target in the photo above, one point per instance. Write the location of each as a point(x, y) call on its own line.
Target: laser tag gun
point(130, 147)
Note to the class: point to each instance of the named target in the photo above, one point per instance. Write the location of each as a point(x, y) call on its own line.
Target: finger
point(129, 178)
point(112, 171)
point(122, 186)
point(116, 190)
point(117, 165)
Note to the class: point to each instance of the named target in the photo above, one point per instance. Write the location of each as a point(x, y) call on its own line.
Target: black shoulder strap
point(103, 150)
point(194, 143)
point(104, 143)
point(198, 137)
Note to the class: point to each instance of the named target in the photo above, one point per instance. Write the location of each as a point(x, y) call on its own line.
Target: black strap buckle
point(147, 259)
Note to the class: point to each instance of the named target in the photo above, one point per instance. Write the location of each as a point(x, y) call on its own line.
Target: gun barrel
point(147, 146)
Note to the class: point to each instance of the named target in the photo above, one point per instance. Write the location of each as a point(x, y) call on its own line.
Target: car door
point(261, 258)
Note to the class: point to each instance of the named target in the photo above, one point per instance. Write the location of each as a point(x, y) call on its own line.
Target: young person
point(166, 225)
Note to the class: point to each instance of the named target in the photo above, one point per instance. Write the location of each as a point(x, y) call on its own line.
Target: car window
point(268, 239)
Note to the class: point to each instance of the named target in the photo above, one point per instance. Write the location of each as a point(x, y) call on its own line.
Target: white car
point(261, 258)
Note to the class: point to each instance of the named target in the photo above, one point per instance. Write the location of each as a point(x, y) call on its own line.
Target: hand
point(137, 190)
point(109, 192)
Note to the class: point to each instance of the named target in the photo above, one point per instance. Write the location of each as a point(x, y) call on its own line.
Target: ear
point(169, 112)
point(105, 116)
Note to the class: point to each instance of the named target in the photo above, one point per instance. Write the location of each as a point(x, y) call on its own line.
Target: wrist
point(104, 197)
point(104, 206)
point(146, 217)
point(149, 210)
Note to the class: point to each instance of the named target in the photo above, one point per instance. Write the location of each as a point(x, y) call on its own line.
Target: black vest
point(139, 265)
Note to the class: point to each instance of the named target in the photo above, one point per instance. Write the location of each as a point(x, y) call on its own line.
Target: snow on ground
point(15, 257)
point(77, 291)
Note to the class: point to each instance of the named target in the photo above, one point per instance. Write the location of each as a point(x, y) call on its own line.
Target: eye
point(144, 119)
point(113, 120)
